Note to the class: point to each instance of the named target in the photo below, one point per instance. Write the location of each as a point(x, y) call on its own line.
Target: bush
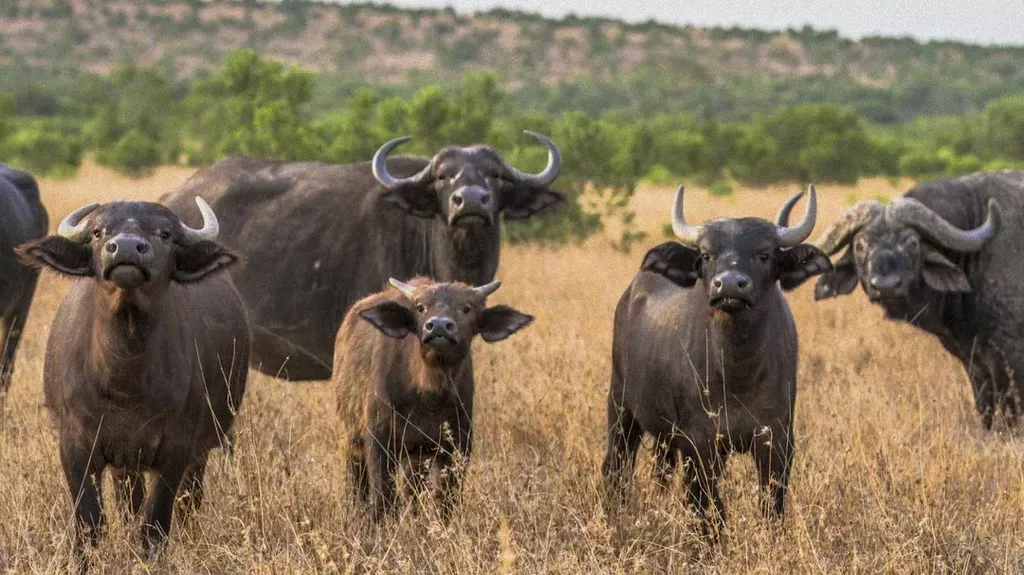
point(43, 148)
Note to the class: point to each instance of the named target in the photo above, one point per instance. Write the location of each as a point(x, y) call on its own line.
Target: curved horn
point(486, 290)
point(688, 235)
point(73, 226)
point(406, 289)
point(782, 218)
point(789, 237)
point(210, 229)
point(913, 213)
point(380, 166)
point(848, 223)
point(549, 173)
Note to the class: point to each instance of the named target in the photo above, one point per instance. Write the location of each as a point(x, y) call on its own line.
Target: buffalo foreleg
point(702, 471)
point(160, 510)
point(192, 488)
point(382, 466)
point(13, 326)
point(84, 475)
point(624, 437)
point(772, 449)
point(130, 487)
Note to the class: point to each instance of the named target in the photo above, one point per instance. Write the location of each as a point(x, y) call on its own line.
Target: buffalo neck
point(441, 379)
point(123, 325)
point(736, 340)
point(467, 254)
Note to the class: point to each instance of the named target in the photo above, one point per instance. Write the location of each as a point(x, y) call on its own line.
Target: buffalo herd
point(376, 276)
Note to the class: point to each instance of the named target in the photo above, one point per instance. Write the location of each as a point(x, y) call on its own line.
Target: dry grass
point(893, 472)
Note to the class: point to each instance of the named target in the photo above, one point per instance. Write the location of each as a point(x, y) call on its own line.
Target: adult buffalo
point(146, 361)
point(704, 356)
point(22, 218)
point(317, 237)
point(946, 257)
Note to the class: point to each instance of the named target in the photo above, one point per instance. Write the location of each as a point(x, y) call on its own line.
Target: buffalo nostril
point(742, 284)
point(717, 283)
point(449, 326)
point(142, 248)
point(485, 199)
point(111, 248)
point(457, 200)
point(429, 326)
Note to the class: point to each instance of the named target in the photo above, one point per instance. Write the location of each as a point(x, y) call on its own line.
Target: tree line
point(136, 119)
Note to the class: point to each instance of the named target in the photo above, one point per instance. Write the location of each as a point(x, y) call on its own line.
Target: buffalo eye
point(705, 256)
point(859, 246)
point(466, 309)
point(165, 235)
point(97, 233)
point(763, 257)
point(421, 308)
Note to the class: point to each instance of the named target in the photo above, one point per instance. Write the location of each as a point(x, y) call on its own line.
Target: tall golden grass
point(893, 473)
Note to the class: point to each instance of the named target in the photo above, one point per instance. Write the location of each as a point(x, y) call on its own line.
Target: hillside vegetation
point(574, 63)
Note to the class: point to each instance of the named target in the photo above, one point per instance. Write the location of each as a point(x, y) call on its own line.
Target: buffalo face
point(738, 260)
point(470, 186)
point(896, 250)
point(131, 246)
point(445, 317)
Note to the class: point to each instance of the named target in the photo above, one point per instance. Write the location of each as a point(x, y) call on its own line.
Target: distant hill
point(587, 63)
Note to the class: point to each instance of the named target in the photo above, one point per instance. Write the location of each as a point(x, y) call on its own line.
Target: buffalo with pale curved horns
point(316, 237)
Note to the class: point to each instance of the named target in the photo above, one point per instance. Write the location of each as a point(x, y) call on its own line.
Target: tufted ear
point(678, 263)
point(940, 274)
point(58, 254)
point(842, 280)
point(416, 199)
point(799, 263)
point(498, 322)
point(522, 203)
point(200, 260)
point(391, 318)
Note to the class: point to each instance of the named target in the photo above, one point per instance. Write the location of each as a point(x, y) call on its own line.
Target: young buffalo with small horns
point(704, 355)
point(410, 399)
point(146, 361)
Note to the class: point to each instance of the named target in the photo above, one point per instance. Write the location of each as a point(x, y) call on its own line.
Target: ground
point(893, 472)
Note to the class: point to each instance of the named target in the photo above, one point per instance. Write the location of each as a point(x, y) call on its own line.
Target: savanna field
point(893, 471)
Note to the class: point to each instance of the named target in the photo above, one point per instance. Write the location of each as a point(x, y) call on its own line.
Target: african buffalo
point(946, 257)
point(704, 356)
point(316, 237)
point(410, 399)
point(22, 218)
point(146, 362)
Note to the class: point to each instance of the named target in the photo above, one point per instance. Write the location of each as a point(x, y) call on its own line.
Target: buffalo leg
point(383, 466)
point(359, 474)
point(192, 488)
point(84, 476)
point(13, 326)
point(703, 469)
point(773, 456)
point(982, 384)
point(449, 487)
point(161, 506)
point(624, 437)
point(130, 487)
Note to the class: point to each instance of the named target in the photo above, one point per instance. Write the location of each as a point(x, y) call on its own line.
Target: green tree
point(250, 107)
point(1003, 126)
point(44, 148)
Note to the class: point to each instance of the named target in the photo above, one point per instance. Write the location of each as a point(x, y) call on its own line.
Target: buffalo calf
point(704, 356)
point(410, 399)
point(146, 361)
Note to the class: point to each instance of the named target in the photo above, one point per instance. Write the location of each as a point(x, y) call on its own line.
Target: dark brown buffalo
point(146, 361)
point(22, 218)
point(410, 399)
point(947, 258)
point(317, 238)
point(705, 356)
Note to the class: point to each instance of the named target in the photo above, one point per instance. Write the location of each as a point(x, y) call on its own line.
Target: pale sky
point(976, 21)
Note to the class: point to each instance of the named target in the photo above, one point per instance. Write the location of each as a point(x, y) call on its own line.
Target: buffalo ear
point(842, 280)
point(391, 318)
point(799, 263)
point(526, 202)
point(942, 275)
point(414, 199)
point(59, 254)
point(498, 322)
point(199, 260)
point(678, 263)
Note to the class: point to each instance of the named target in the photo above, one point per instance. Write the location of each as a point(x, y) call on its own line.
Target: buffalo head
point(893, 249)
point(131, 246)
point(446, 317)
point(470, 185)
point(739, 260)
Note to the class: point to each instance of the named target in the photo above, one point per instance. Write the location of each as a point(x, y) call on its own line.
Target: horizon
point(981, 22)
